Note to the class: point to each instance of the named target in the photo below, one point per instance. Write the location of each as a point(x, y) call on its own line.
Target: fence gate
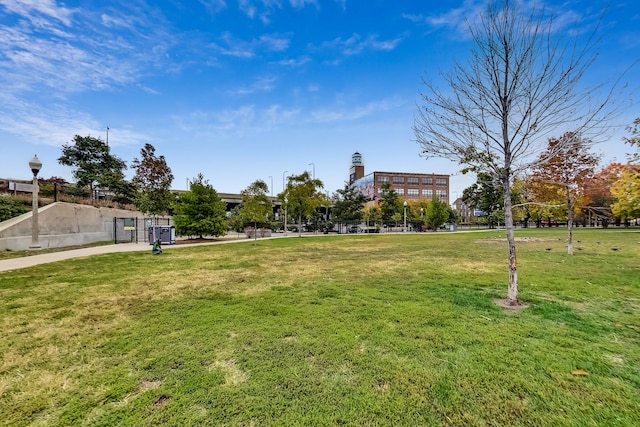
point(129, 230)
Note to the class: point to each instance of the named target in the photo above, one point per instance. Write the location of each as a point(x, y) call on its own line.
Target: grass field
point(358, 330)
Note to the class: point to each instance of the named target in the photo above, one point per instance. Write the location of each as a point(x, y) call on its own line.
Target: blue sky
point(241, 90)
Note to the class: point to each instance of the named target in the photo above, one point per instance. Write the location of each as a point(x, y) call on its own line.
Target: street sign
point(19, 186)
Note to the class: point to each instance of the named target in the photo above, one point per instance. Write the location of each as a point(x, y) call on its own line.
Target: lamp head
point(35, 164)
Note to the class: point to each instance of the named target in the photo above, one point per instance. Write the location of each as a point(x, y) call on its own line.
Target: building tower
point(357, 168)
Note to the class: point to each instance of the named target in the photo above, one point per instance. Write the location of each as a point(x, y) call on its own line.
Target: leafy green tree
point(303, 197)
point(390, 203)
point(373, 216)
point(485, 194)
point(200, 211)
point(235, 220)
point(349, 204)
point(93, 164)
point(256, 207)
point(153, 180)
point(437, 213)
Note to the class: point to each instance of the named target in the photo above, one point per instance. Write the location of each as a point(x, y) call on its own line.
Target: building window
point(427, 193)
point(427, 180)
point(400, 191)
point(382, 178)
point(412, 180)
point(398, 179)
point(441, 182)
point(442, 194)
point(413, 192)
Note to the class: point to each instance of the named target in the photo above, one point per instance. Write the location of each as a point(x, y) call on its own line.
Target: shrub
point(10, 208)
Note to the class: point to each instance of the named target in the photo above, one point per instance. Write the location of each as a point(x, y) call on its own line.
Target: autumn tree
point(200, 211)
point(92, 162)
point(597, 193)
point(626, 191)
point(565, 171)
point(153, 180)
point(521, 82)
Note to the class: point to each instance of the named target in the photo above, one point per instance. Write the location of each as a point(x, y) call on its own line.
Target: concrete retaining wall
point(62, 224)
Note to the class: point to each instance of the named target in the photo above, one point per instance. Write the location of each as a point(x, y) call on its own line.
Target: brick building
point(409, 186)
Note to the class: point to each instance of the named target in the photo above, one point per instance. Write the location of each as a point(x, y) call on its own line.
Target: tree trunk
point(300, 225)
point(570, 225)
point(512, 294)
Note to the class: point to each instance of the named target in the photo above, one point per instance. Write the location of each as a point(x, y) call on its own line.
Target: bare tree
point(520, 84)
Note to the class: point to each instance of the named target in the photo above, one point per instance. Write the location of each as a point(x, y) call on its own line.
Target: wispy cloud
point(112, 49)
point(456, 19)
point(231, 46)
point(354, 112)
point(39, 11)
point(299, 4)
point(469, 13)
point(298, 62)
point(263, 84)
point(213, 6)
point(355, 44)
point(43, 64)
point(235, 122)
point(55, 124)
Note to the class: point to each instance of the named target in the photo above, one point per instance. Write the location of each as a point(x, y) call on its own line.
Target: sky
point(241, 90)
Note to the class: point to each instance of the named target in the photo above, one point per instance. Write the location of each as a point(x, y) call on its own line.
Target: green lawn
point(329, 330)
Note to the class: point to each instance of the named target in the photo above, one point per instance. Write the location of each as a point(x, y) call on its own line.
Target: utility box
point(166, 234)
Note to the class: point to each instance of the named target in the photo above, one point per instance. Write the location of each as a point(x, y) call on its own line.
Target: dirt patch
point(197, 240)
point(504, 303)
point(517, 239)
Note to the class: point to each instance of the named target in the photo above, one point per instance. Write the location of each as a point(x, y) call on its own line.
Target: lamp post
point(405, 216)
point(285, 215)
point(35, 166)
point(314, 169)
point(270, 177)
point(283, 186)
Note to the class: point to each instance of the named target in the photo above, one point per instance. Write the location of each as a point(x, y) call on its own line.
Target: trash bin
point(166, 234)
point(453, 227)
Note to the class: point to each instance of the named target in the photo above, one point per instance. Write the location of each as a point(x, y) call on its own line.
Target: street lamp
point(314, 169)
point(35, 166)
point(270, 177)
point(283, 187)
point(285, 215)
point(405, 216)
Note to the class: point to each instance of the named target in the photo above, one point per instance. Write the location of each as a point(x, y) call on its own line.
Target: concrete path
point(29, 261)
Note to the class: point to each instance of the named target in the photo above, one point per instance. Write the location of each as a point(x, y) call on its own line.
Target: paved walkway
point(31, 260)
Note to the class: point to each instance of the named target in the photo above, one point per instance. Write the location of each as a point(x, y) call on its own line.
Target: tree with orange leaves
point(597, 192)
point(564, 168)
